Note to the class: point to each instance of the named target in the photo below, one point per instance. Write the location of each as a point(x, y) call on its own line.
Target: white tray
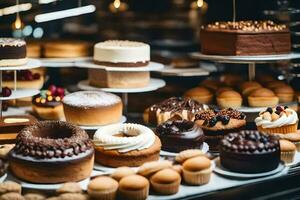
point(122, 120)
point(154, 85)
point(21, 93)
point(31, 64)
point(152, 66)
point(205, 149)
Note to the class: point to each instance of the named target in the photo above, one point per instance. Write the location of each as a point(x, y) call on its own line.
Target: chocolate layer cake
point(245, 38)
point(12, 52)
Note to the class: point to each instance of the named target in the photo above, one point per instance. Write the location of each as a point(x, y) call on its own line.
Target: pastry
point(197, 170)
point(262, 97)
point(4, 150)
point(187, 154)
point(292, 137)
point(165, 182)
point(231, 80)
point(277, 120)
point(229, 99)
point(115, 79)
point(34, 49)
point(134, 187)
point(48, 104)
point(179, 135)
point(122, 53)
point(223, 89)
point(287, 151)
point(149, 168)
point(103, 187)
point(10, 187)
point(12, 196)
point(211, 84)
point(69, 187)
point(248, 87)
point(217, 123)
point(92, 108)
point(66, 49)
point(249, 152)
point(184, 108)
point(43, 148)
point(200, 94)
point(284, 93)
point(12, 52)
point(121, 172)
point(126, 145)
point(26, 79)
point(244, 38)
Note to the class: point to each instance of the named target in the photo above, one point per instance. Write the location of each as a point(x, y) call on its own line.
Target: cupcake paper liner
point(103, 195)
point(166, 189)
point(288, 156)
point(283, 129)
point(197, 178)
point(141, 194)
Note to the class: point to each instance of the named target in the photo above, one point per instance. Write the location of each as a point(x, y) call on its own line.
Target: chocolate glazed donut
point(52, 152)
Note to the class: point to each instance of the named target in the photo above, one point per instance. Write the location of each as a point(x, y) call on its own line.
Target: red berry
point(52, 89)
point(36, 76)
point(6, 92)
point(60, 92)
point(279, 108)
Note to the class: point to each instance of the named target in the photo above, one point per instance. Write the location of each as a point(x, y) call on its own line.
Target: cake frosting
point(136, 137)
point(121, 51)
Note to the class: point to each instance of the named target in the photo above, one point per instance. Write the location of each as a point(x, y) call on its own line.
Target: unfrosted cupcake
point(134, 187)
point(292, 137)
point(288, 150)
point(277, 120)
point(103, 187)
point(166, 182)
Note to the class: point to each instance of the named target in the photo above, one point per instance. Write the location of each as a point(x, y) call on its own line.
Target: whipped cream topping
point(11, 42)
point(136, 137)
point(284, 119)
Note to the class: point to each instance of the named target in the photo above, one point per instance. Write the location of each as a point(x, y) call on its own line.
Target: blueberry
point(285, 107)
point(225, 120)
point(270, 110)
point(213, 121)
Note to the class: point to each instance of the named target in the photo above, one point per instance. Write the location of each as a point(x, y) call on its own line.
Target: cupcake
point(262, 97)
point(288, 150)
point(292, 137)
point(248, 87)
point(122, 172)
point(103, 187)
point(231, 80)
point(200, 94)
point(277, 120)
point(229, 99)
point(134, 187)
point(274, 84)
point(211, 84)
point(284, 93)
point(216, 123)
point(222, 89)
point(166, 182)
point(197, 171)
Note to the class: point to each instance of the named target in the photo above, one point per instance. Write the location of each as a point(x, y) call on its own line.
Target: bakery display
point(43, 148)
point(229, 99)
point(200, 94)
point(26, 79)
point(92, 108)
point(184, 108)
point(262, 97)
point(287, 151)
point(115, 79)
point(48, 104)
point(121, 53)
point(125, 145)
point(244, 38)
point(217, 123)
point(12, 52)
point(179, 135)
point(277, 120)
point(249, 152)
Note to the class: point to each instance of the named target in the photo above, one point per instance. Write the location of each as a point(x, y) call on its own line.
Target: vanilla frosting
point(283, 120)
point(121, 51)
point(137, 137)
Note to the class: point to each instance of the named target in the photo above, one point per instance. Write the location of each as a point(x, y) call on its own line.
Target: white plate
point(21, 93)
point(153, 85)
point(205, 149)
point(122, 120)
point(152, 66)
point(31, 64)
point(219, 169)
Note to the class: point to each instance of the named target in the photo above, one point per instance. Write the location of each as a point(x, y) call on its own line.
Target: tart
point(12, 52)
point(126, 145)
point(217, 123)
point(249, 152)
point(43, 148)
point(262, 97)
point(229, 99)
point(179, 135)
point(200, 94)
point(284, 93)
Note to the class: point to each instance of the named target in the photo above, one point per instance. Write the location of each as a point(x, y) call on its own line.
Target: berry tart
point(48, 104)
point(249, 152)
point(217, 123)
point(179, 135)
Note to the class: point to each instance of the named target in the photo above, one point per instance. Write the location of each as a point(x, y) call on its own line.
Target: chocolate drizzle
point(52, 139)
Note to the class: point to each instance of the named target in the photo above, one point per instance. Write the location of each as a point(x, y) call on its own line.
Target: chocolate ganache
point(249, 152)
point(179, 135)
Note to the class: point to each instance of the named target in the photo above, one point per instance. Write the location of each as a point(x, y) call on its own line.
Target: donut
point(52, 152)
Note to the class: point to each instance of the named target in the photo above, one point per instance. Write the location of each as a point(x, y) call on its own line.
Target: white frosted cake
point(122, 53)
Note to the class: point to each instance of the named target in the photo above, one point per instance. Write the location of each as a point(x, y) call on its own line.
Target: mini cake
point(262, 97)
point(287, 151)
point(52, 152)
point(277, 120)
point(48, 105)
point(12, 52)
point(217, 123)
point(179, 135)
point(248, 87)
point(26, 79)
point(284, 93)
point(245, 38)
point(229, 99)
point(185, 108)
point(249, 152)
point(200, 94)
point(92, 108)
point(126, 145)
point(114, 79)
point(122, 53)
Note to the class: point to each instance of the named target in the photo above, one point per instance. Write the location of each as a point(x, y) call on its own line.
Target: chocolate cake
point(245, 38)
point(179, 135)
point(12, 52)
point(249, 152)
